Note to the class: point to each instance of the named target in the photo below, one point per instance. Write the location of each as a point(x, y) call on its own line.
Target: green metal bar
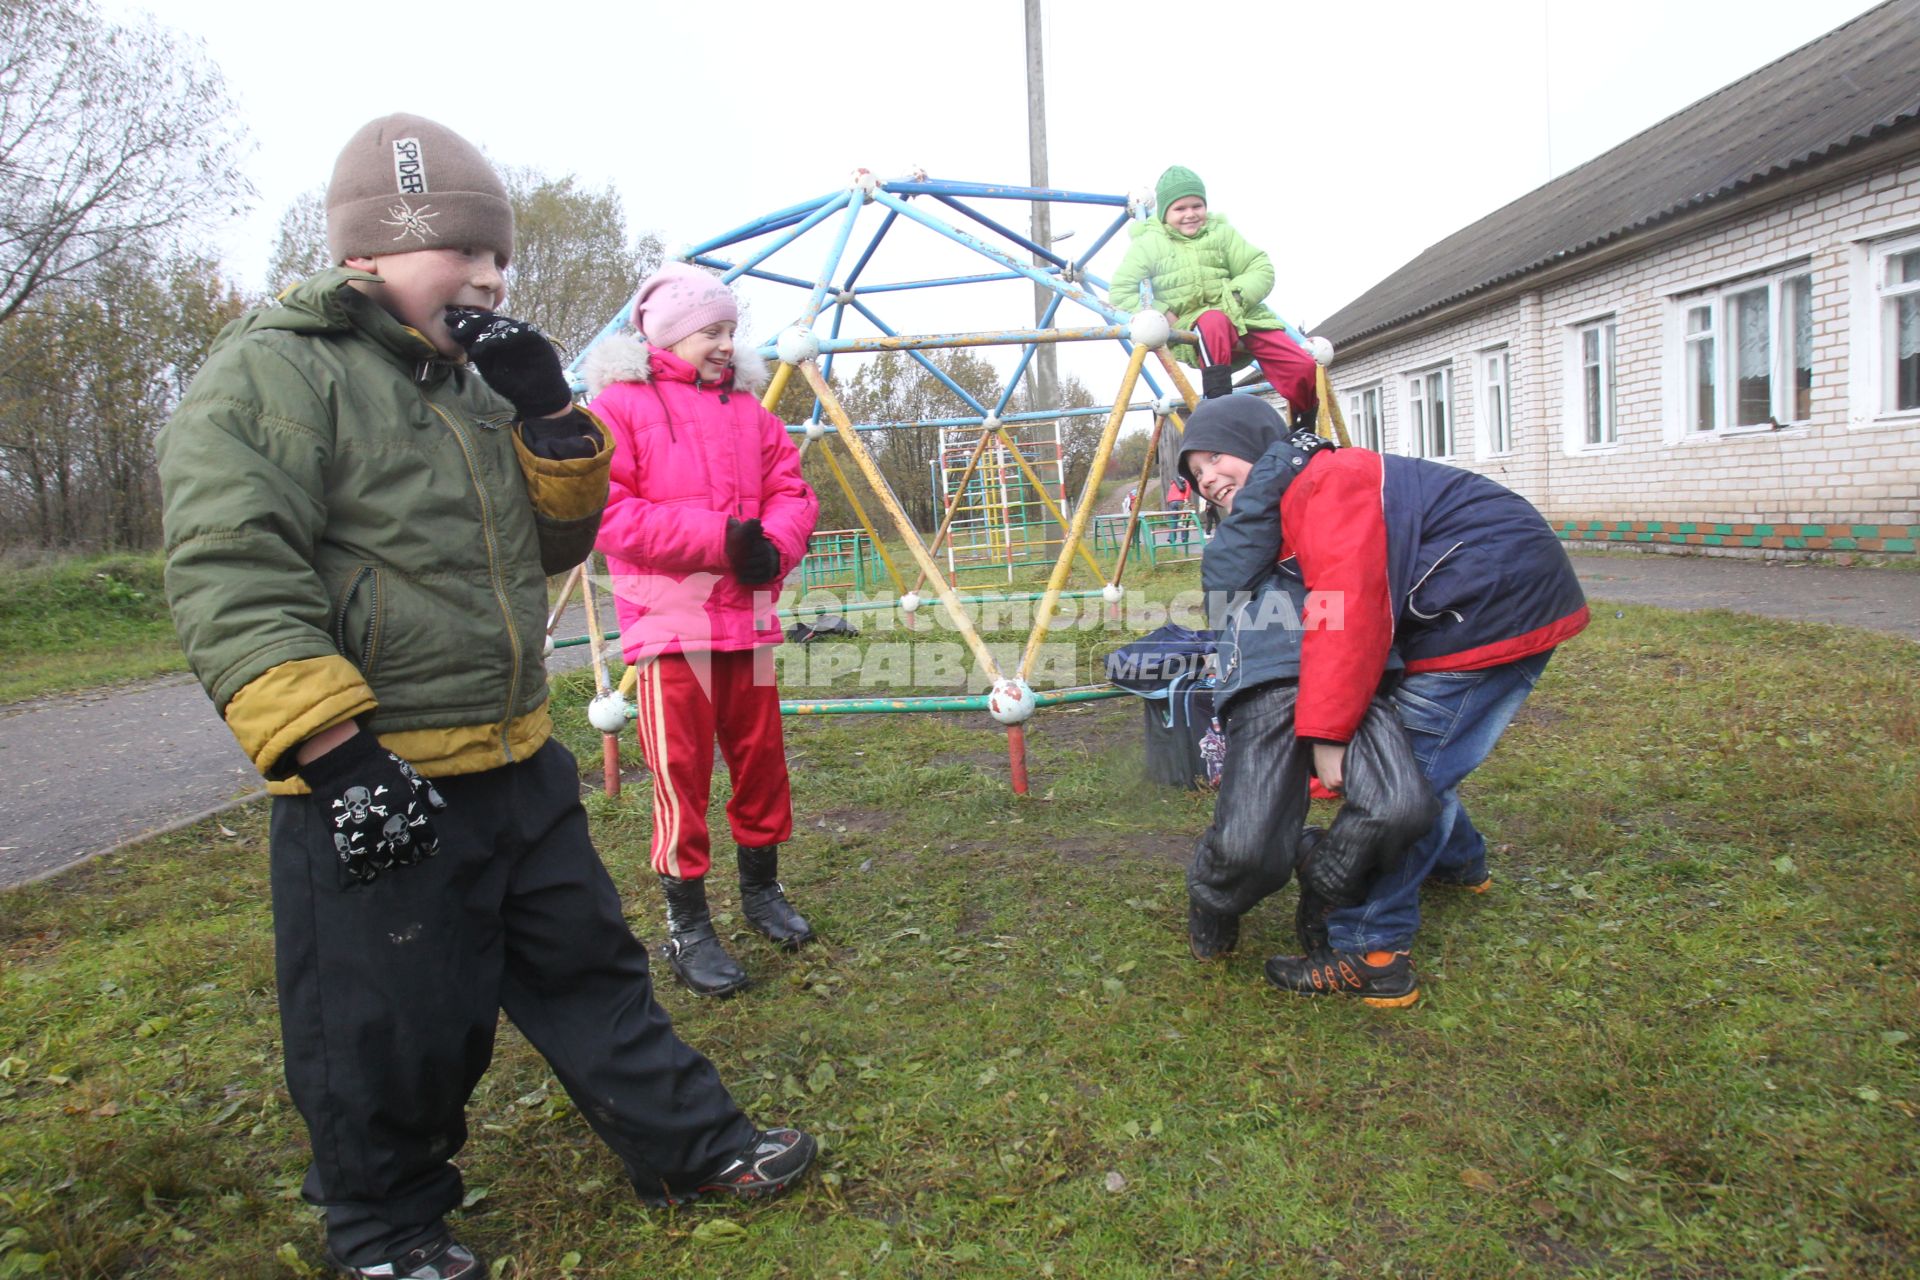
point(963, 702)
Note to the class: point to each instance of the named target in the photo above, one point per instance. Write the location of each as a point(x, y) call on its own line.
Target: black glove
point(559, 439)
point(376, 804)
point(755, 560)
point(515, 358)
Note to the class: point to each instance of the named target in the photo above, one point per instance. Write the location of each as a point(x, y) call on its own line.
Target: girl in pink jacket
point(706, 514)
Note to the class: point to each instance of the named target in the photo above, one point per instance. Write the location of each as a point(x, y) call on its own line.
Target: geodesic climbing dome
point(928, 253)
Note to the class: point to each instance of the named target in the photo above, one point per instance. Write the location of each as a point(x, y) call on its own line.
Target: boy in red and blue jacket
point(1460, 575)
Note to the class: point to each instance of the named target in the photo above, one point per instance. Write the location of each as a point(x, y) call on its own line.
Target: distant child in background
point(1207, 278)
point(707, 513)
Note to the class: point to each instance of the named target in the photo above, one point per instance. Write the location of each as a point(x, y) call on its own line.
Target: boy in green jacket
point(365, 489)
point(1207, 278)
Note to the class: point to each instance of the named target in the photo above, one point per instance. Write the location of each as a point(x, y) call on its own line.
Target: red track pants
point(686, 700)
point(1289, 368)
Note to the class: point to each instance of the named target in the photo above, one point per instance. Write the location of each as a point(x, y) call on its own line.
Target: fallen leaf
point(1479, 1179)
point(1115, 1182)
point(720, 1231)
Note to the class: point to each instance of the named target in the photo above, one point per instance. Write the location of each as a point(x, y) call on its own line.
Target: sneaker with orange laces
point(1383, 979)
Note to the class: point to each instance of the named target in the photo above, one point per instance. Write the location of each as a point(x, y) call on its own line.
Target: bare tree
point(573, 266)
point(300, 249)
point(110, 136)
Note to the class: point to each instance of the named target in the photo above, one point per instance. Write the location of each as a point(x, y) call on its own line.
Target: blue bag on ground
point(1166, 668)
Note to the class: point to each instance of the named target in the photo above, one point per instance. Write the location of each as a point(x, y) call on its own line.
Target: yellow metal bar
point(953, 505)
point(777, 387)
point(1052, 509)
point(868, 468)
point(630, 681)
point(1140, 497)
point(865, 523)
point(600, 681)
point(1330, 415)
point(1180, 382)
point(1096, 473)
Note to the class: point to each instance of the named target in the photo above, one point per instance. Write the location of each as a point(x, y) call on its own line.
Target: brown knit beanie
point(403, 183)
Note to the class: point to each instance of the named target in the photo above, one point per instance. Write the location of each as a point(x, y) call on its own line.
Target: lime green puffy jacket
point(1216, 270)
point(355, 530)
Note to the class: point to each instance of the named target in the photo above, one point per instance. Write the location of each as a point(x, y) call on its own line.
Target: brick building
point(1707, 337)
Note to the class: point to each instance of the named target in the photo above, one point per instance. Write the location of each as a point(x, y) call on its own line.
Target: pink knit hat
point(679, 299)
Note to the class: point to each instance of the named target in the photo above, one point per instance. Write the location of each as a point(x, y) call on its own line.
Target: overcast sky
point(1341, 137)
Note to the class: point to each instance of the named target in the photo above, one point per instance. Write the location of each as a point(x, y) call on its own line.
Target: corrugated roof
point(1849, 86)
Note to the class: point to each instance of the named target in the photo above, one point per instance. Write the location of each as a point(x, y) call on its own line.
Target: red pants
point(686, 700)
point(1289, 368)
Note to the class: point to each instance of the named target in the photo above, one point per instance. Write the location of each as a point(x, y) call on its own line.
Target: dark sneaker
point(1383, 979)
point(1472, 881)
point(441, 1260)
point(766, 1166)
point(1210, 934)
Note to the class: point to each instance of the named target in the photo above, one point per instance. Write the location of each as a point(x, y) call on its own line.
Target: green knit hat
point(1176, 182)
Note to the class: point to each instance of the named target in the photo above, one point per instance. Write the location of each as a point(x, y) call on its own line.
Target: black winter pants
point(1254, 842)
point(390, 993)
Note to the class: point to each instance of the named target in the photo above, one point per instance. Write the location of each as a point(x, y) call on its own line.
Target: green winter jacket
point(355, 530)
point(1216, 270)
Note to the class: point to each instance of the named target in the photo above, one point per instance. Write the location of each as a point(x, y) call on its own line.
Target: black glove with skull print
point(375, 805)
point(515, 358)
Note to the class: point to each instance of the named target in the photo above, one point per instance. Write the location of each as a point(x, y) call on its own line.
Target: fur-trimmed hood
point(627, 357)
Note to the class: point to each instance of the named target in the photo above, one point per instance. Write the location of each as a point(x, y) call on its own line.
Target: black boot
point(763, 900)
point(694, 951)
point(1210, 934)
point(1216, 380)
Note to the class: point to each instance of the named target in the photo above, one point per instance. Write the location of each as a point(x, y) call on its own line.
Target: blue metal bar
point(1008, 232)
point(708, 260)
point(901, 286)
point(1026, 357)
point(1080, 263)
point(1073, 291)
point(994, 191)
point(1012, 419)
point(761, 225)
point(807, 224)
point(819, 296)
point(826, 366)
point(891, 341)
point(966, 397)
point(873, 244)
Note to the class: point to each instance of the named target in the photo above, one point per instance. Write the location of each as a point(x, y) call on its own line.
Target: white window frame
point(1421, 386)
point(1714, 349)
point(1586, 432)
point(1493, 400)
point(1877, 322)
point(1366, 426)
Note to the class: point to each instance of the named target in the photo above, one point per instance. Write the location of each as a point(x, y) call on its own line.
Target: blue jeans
point(1453, 719)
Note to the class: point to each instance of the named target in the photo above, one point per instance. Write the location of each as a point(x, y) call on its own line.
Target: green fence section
point(842, 558)
point(1163, 537)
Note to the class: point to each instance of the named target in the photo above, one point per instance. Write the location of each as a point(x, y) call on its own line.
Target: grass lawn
point(83, 623)
point(1680, 1037)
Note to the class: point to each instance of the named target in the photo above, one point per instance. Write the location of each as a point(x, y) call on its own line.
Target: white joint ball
point(816, 429)
point(844, 296)
point(910, 602)
point(1140, 203)
point(864, 182)
point(682, 252)
point(990, 423)
point(609, 712)
point(1150, 329)
point(1011, 701)
point(1320, 349)
point(796, 345)
point(1169, 403)
point(1111, 593)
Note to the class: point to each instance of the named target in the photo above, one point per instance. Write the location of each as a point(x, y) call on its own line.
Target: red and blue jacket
point(1454, 570)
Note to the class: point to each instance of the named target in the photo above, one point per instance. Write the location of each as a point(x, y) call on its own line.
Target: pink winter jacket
point(688, 456)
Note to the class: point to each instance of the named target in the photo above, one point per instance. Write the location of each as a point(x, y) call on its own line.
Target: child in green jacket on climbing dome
point(1207, 278)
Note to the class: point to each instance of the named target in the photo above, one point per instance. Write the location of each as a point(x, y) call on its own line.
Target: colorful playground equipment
point(1001, 476)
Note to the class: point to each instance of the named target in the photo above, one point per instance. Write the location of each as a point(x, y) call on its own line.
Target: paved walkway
point(86, 773)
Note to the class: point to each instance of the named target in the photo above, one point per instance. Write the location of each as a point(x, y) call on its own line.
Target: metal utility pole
point(1043, 375)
